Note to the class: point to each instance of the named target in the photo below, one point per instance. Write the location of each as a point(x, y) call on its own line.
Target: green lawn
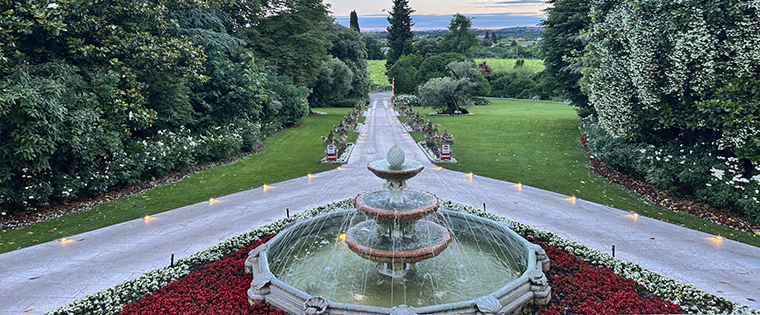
point(502, 65)
point(274, 164)
point(537, 144)
point(377, 75)
point(376, 69)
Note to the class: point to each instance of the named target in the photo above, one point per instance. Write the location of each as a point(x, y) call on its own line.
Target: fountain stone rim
point(397, 216)
point(410, 169)
point(407, 256)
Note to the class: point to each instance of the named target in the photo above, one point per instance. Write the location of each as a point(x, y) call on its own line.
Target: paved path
point(42, 277)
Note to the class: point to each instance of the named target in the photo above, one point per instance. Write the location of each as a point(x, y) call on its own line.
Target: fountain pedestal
point(399, 236)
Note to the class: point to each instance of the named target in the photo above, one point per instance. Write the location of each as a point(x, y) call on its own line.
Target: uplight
point(342, 237)
point(519, 186)
point(211, 201)
point(64, 240)
point(148, 218)
point(438, 168)
point(265, 187)
point(310, 175)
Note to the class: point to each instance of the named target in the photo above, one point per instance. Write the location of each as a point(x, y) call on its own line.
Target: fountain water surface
point(398, 253)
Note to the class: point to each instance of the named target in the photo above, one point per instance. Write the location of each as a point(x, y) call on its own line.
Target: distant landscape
point(432, 22)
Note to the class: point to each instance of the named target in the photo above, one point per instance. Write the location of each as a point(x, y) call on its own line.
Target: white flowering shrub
point(723, 182)
point(129, 162)
point(659, 71)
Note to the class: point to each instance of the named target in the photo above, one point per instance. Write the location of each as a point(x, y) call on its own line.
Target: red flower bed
point(666, 201)
point(578, 288)
point(215, 288)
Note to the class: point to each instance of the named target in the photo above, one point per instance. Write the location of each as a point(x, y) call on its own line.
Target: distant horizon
point(425, 22)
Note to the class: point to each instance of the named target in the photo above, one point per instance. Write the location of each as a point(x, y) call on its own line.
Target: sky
point(436, 14)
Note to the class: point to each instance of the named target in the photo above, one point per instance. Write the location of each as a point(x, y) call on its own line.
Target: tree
point(404, 72)
point(354, 22)
point(349, 48)
point(373, 48)
point(461, 40)
point(292, 37)
point(436, 66)
point(564, 43)
point(333, 83)
point(426, 47)
point(447, 95)
point(399, 31)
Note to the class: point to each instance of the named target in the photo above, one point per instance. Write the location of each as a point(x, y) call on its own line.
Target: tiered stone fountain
point(402, 237)
point(413, 258)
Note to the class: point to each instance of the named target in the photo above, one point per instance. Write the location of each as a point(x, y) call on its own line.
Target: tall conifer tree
point(399, 31)
point(354, 22)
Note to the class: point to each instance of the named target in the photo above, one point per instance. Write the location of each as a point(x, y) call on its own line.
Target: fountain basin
point(405, 171)
point(503, 277)
point(428, 240)
point(416, 205)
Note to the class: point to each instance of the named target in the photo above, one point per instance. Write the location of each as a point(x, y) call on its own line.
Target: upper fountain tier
point(395, 167)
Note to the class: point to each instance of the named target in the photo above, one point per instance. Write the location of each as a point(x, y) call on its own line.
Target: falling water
point(480, 259)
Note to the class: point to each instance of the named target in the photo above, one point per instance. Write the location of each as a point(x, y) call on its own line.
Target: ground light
point(519, 186)
point(211, 201)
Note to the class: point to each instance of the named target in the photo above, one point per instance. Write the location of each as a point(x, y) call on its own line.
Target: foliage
point(720, 181)
point(354, 22)
point(404, 72)
point(435, 66)
point(286, 101)
point(373, 48)
point(97, 94)
point(399, 30)
point(563, 44)
point(289, 34)
point(447, 95)
point(461, 40)
point(349, 48)
point(333, 83)
point(426, 47)
point(654, 63)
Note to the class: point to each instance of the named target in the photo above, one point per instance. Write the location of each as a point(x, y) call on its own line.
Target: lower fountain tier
point(428, 240)
point(416, 205)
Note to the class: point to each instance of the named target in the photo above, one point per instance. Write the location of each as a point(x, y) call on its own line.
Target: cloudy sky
point(437, 13)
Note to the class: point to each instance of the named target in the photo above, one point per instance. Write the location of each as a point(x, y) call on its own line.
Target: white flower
point(717, 173)
point(52, 5)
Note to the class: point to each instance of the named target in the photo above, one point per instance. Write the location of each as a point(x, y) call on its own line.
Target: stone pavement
point(42, 277)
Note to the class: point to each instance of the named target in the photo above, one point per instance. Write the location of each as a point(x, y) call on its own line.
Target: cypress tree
point(354, 22)
point(399, 31)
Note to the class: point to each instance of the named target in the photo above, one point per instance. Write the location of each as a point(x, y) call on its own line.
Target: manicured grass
point(376, 69)
point(377, 75)
point(537, 144)
point(502, 65)
point(273, 164)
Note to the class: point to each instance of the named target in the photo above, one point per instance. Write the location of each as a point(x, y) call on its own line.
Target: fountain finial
point(395, 157)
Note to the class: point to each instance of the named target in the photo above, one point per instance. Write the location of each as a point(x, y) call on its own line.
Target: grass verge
point(537, 144)
point(273, 164)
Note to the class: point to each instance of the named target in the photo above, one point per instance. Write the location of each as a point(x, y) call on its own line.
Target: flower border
point(432, 157)
point(112, 300)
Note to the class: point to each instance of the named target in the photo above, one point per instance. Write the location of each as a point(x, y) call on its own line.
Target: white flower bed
point(112, 300)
